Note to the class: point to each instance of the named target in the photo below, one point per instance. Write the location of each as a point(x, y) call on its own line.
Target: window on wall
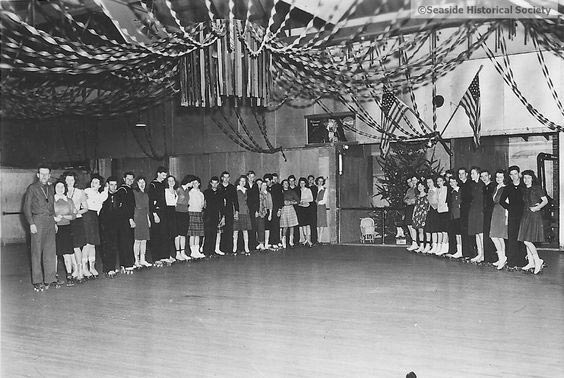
point(330, 128)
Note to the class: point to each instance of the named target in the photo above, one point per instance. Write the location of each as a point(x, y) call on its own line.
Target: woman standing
point(64, 213)
point(171, 197)
point(142, 223)
point(288, 217)
point(321, 208)
point(304, 211)
point(420, 216)
point(432, 217)
point(476, 212)
point(531, 228)
point(196, 205)
point(498, 228)
point(77, 225)
point(264, 216)
point(182, 217)
point(242, 221)
point(442, 217)
point(94, 199)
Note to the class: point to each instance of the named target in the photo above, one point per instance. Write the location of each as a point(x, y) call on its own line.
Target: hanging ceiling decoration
point(83, 60)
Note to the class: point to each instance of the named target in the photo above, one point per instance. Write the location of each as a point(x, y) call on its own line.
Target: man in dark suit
point(490, 254)
point(313, 208)
point(253, 204)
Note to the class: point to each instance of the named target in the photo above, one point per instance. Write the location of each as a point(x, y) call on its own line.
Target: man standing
point(512, 200)
point(275, 190)
point(253, 204)
point(230, 211)
point(126, 224)
point(157, 207)
point(111, 220)
point(212, 216)
point(490, 254)
point(468, 243)
point(39, 211)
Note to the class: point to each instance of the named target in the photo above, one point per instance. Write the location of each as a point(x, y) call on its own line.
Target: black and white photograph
point(281, 188)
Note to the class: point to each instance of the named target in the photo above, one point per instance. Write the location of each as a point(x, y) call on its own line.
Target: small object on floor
point(38, 287)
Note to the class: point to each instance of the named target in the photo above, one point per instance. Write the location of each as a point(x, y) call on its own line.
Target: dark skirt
point(443, 219)
point(454, 226)
point(322, 216)
point(243, 223)
point(91, 227)
point(196, 224)
point(142, 229)
point(182, 223)
point(531, 228)
point(304, 215)
point(408, 219)
point(432, 222)
point(78, 234)
point(64, 240)
point(265, 222)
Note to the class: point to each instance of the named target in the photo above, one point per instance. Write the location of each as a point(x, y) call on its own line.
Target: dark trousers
point(514, 250)
point(468, 241)
point(43, 251)
point(159, 238)
point(253, 231)
point(109, 233)
point(313, 209)
point(210, 233)
point(275, 230)
point(296, 229)
point(125, 243)
point(226, 244)
point(490, 254)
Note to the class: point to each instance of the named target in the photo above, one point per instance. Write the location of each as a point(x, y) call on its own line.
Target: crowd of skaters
point(473, 217)
point(133, 222)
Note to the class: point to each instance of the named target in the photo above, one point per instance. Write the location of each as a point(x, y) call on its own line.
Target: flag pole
point(459, 102)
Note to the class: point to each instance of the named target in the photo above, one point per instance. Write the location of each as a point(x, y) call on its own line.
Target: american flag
point(392, 112)
point(471, 104)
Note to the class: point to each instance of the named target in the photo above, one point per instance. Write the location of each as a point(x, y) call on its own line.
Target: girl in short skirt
point(65, 212)
point(264, 216)
point(196, 205)
point(182, 217)
point(321, 208)
point(304, 211)
point(288, 217)
point(420, 216)
point(94, 198)
point(432, 216)
point(77, 225)
point(531, 228)
point(442, 217)
point(243, 221)
point(498, 228)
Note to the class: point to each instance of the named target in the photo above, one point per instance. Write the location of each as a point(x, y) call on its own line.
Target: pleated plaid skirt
point(243, 223)
point(288, 217)
point(196, 224)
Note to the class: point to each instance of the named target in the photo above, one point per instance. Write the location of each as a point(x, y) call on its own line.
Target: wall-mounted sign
point(330, 128)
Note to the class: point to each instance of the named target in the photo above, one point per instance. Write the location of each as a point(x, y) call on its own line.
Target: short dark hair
point(71, 173)
point(514, 168)
point(267, 176)
point(304, 181)
point(476, 168)
point(214, 178)
point(96, 176)
point(112, 178)
point(225, 173)
point(463, 169)
point(196, 178)
point(274, 174)
point(141, 178)
point(311, 176)
point(449, 172)
point(251, 173)
point(486, 171)
point(320, 178)
point(128, 173)
point(64, 185)
point(43, 166)
point(161, 169)
point(291, 177)
point(529, 172)
point(187, 179)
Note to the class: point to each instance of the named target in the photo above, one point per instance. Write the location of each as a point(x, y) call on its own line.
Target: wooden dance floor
point(337, 311)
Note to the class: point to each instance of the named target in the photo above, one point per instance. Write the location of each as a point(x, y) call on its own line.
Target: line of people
point(172, 217)
point(477, 219)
